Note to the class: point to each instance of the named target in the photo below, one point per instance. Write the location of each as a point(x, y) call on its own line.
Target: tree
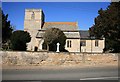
point(0, 28)
point(53, 36)
point(6, 31)
point(19, 39)
point(107, 24)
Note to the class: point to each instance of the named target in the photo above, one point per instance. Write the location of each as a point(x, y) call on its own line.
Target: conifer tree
point(107, 24)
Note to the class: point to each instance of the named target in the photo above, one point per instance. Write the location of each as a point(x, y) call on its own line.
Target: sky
point(81, 12)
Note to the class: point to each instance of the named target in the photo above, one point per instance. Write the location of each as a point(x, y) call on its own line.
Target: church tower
point(33, 21)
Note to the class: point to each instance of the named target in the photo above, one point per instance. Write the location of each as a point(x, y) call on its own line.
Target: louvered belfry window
point(33, 15)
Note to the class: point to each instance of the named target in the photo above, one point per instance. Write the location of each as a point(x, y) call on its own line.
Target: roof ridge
point(84, 30)
point(67, 23)
point(61, 22)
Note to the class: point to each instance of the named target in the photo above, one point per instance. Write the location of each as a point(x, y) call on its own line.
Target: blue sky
point(81, 12)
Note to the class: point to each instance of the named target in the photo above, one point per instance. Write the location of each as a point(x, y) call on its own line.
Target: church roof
point(84, 34)
point(72, 34)
point(61, 25)
point(69, 34)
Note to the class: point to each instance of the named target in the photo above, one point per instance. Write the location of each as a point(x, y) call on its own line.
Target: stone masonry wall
point(53, 58)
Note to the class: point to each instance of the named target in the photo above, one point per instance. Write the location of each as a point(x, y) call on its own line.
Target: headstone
point(58, 45)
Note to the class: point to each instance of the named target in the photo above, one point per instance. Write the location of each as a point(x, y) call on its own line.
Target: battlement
point(31, 10)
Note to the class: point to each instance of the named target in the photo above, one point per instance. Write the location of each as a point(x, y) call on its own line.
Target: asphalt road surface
point(89, 73)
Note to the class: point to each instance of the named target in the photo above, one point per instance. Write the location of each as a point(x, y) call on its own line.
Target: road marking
point(100, 78)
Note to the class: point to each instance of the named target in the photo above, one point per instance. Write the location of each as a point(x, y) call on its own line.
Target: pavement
point(61, 73)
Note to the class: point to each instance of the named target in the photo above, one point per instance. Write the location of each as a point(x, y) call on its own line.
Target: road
point(89, 73)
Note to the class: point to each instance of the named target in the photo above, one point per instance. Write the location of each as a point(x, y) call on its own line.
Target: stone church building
point(77, 40)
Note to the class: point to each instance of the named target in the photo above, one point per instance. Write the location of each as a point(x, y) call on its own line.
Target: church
point(77, 40)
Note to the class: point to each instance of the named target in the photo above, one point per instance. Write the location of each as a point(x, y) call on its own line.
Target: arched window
point(83, 43)
point(36, 48)
point(96, 43)
point(33, 15)
point(44, 46)
point(69, 44)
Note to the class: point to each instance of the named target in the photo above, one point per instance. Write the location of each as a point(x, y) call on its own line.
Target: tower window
point(33, 15)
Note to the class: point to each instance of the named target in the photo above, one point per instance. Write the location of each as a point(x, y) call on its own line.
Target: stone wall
point(53, 58)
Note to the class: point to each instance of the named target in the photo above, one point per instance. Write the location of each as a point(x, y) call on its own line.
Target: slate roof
point(84, 34)
point(72, 34)
point(69, 34)
point(61, 25)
